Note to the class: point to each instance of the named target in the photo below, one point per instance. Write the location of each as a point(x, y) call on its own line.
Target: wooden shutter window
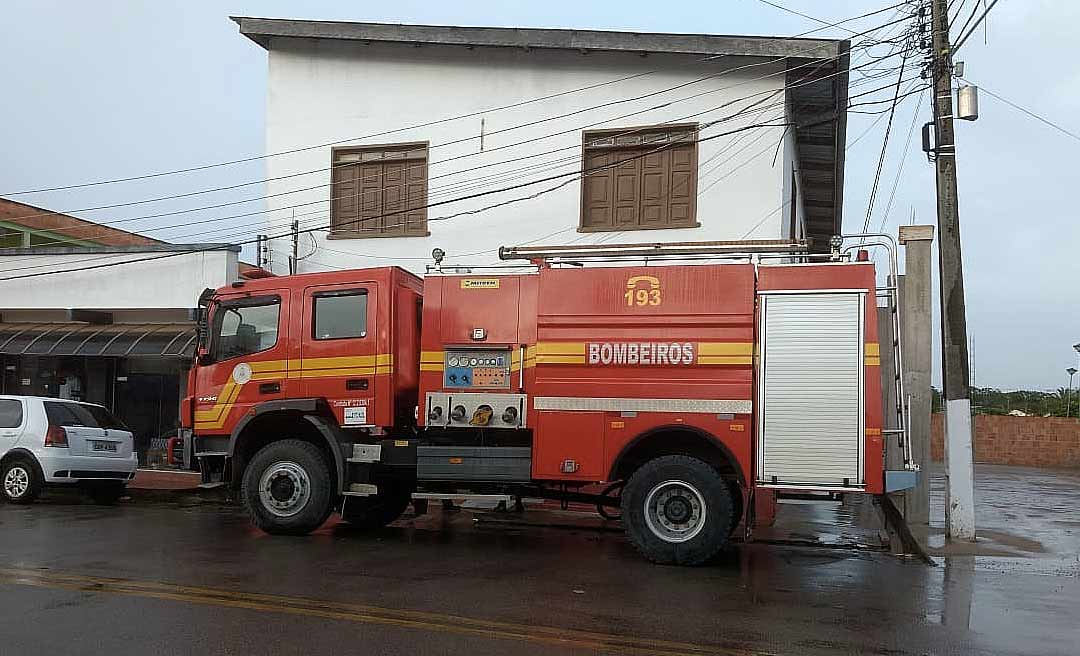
point(379, 191)
point(639, 179)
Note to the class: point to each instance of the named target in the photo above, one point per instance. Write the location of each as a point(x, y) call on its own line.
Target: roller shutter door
point(810, 390)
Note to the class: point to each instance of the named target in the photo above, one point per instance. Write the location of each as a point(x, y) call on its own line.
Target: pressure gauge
point(472, 362)
point(453, 362)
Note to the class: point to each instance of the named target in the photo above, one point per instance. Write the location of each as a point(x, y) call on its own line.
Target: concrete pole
point(959, 468)
point(915, 309)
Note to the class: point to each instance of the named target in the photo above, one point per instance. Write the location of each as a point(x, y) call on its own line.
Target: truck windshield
point(244, 327)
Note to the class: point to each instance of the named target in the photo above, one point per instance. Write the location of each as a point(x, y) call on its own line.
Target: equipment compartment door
point(339, 358)
point(810, 390)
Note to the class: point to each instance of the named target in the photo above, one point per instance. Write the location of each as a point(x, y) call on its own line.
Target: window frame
point(337, 293)
point(226, 304)
point(403, 147)
point(586, 148)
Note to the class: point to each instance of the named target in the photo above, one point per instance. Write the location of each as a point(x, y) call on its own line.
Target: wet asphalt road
point(167, 579)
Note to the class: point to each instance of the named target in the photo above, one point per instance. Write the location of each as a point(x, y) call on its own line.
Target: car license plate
point(103, 446)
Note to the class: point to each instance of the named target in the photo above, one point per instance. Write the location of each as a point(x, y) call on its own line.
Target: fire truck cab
point(676, 392)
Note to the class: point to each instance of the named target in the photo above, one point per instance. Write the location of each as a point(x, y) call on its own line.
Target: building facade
point(387, 141)
point(122, 336)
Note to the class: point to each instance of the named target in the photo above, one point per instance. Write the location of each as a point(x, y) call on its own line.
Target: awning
point(123, 340)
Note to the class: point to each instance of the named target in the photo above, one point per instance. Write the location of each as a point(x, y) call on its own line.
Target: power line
point(427, 206)
point(1027, 111)
point(974, 27)
point(807, 80)
point(389, 132)
point(466, 139)
point(884, 146)
point(900, 168)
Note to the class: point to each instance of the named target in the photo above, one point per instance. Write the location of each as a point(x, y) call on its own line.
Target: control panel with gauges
point(477, 368)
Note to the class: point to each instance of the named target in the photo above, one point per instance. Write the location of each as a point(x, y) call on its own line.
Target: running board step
point(361, 490)
point(443, 496)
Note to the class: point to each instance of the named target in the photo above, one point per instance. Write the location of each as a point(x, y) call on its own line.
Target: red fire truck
point(679, 392)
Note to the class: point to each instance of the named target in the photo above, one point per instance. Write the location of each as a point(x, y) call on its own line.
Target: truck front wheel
point(287, 488)
point(677, 510)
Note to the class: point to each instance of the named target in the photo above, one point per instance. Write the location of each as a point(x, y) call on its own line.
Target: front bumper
point(74, 469)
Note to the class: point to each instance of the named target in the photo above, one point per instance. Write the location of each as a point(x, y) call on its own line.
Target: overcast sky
point(105, 89)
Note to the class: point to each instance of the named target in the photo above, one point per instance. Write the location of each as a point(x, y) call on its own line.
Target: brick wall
point(1027, 441)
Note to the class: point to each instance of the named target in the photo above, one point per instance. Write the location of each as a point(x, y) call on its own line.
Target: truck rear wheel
point(379, 510)
point(286, 488)
point(677, 510)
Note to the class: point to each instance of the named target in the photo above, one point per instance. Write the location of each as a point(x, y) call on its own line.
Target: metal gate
point(810, 389)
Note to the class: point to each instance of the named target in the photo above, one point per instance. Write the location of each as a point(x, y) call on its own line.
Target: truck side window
point(244, 327)
point(339, 314)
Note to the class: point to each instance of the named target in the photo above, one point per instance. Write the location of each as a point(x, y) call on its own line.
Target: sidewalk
point(165, 479)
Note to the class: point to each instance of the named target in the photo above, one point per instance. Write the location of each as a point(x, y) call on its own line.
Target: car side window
point(11, 413)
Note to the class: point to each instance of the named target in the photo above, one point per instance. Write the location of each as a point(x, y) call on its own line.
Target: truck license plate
point(103, 446)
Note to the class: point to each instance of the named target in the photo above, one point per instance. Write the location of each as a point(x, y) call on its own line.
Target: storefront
point(122, 336)
point(137, 370)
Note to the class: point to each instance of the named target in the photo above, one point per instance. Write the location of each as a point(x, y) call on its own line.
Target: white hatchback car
point(45, 442)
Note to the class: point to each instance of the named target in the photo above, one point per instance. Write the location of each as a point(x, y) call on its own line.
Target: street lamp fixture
point(1068, 395)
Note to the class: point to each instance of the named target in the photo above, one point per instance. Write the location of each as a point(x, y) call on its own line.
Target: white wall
point(160, 283)
point(323, 91)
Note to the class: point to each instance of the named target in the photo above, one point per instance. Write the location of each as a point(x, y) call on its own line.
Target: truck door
point(247, 361)
point(339, 355)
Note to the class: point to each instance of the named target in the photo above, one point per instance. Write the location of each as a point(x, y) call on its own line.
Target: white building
point(376, 130)
point(91, 312)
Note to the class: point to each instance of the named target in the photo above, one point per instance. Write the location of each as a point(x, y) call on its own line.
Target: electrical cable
point(457, 141)
point(884, 147)
point(191, 210)
point(428, 205)
point(759, 112)
point(1030, 113)
point(465, 139)
point(388, 132)
point(964, 38)
point(518, 199)
point(900, 167)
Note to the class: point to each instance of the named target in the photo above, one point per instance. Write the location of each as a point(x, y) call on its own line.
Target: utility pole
point(294, 258)
point(959, 470)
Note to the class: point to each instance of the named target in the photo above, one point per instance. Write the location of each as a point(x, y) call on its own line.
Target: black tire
point(287, 464)
point(377, 511)
point(20, 481)
point(106, 494)
point(676, 479)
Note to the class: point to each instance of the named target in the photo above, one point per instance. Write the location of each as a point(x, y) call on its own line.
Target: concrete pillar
point(917, 335)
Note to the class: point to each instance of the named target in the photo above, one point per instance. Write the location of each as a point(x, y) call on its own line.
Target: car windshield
point(61, 413)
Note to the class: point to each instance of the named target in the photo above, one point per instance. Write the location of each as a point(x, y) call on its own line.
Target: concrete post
point(917, 334)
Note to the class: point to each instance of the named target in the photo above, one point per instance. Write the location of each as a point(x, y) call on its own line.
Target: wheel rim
point(675, 511)
point(16, 482)
point(284, 488)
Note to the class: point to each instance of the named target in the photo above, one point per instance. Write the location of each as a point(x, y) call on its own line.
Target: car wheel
point(677, 510)
point(286, 488)
point(106, 494)
point(20, 481)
